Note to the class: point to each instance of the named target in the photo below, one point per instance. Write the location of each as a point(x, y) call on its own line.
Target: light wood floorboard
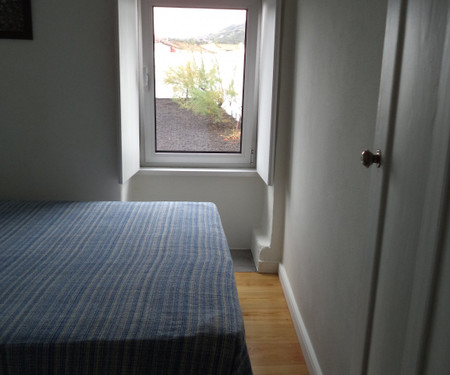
point(271, 340)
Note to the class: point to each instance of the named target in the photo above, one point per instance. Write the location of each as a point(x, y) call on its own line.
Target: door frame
point(433, 229)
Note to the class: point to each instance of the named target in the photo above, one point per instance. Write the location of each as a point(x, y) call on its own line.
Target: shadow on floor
point(243, 261)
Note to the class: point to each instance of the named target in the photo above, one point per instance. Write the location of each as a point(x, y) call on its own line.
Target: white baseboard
point(300, 328)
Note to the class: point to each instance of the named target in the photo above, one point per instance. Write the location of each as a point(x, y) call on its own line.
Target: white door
point(407, 324)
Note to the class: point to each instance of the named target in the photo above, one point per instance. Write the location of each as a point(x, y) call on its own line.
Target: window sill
point(210, 172)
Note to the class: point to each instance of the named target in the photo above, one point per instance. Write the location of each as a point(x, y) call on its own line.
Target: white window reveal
point(199, 83)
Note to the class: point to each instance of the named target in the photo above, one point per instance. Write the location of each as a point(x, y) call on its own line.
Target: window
point(137, 89)
point(198, 94)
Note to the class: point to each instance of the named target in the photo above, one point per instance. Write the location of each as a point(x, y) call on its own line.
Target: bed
point(117, 288)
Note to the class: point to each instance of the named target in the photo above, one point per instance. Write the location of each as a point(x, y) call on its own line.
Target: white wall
point(58, 116)
point(336, 80)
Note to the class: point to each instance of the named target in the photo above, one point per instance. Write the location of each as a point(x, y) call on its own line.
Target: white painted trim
point(210, 172)
point(300, 327)
point(127, 44)
point(269, 55)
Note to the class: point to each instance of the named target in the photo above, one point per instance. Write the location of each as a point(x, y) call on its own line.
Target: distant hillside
point(233, 34)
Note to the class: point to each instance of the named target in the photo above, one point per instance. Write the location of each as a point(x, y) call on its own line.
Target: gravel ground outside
point(179, 129)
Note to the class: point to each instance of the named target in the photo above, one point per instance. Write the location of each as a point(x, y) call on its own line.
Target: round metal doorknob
point(368, 158)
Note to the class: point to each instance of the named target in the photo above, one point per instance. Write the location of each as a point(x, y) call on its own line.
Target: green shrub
point(200, 90)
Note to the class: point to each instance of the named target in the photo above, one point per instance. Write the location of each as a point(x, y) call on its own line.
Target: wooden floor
point(271, 339)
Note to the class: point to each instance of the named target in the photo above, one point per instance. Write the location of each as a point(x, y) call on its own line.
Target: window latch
point(146, 78)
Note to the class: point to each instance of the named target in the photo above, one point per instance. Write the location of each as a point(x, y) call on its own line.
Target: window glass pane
point(199, 57)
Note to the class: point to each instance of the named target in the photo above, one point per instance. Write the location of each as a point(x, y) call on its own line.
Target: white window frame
point(244, 159)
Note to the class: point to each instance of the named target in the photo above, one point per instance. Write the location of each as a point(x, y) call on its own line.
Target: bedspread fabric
point(117, 288)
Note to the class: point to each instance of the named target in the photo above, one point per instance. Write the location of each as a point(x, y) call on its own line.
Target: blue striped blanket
point(117, 288)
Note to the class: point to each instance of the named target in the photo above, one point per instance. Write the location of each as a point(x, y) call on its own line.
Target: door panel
point(409, 247)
